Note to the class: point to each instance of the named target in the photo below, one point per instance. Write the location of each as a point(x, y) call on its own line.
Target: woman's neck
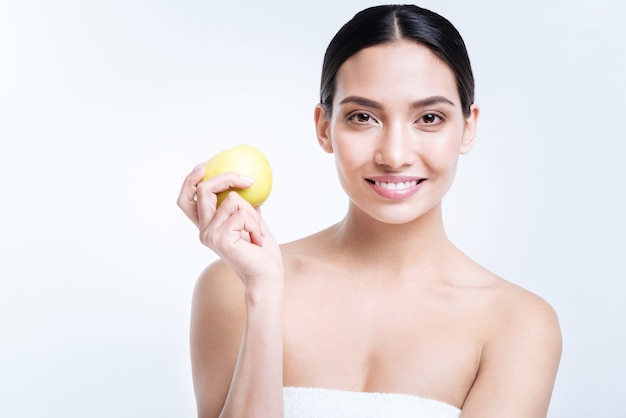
point(366, 240)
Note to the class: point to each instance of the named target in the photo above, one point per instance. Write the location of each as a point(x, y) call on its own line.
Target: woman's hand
point(234, 230)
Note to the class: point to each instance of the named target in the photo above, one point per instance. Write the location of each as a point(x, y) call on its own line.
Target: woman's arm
point(236, 346)
point(518, 365)
point(236, 325)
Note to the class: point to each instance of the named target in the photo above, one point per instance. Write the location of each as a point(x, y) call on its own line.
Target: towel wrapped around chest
point(300, 402)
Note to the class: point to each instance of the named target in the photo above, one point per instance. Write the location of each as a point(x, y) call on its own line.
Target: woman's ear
point(322, 128)
point(469, 130)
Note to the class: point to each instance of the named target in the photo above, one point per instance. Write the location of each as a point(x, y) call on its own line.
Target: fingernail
point(247, 179)
point(199, 166)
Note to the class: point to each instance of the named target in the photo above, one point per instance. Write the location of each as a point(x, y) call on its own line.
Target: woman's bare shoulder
point(509, 311)
point(520, 355)
point(218, 308)
point(527, 316)
point(309, 252)
point(219, 287)
point(504, 297)
point(309, 244)
point(513, 302)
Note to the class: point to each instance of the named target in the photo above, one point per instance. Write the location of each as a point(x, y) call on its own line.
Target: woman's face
point(397, 130)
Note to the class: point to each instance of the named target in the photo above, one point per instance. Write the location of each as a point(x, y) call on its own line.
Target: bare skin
point(381, 301)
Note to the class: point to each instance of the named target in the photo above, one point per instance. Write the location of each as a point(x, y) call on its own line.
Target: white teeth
point(396, 186)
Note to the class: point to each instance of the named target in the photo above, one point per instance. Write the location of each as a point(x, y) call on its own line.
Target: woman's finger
point(236, 218)
point(187, 196)
point(206, 193)
point(257, 237)
point(194, 189)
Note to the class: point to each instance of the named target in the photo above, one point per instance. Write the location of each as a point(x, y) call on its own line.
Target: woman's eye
point(361, 117)
point(430, 119)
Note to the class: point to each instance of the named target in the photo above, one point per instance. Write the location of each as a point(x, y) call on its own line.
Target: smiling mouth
point(396, 185)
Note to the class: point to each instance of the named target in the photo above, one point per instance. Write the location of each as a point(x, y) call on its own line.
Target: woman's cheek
point(442, 160)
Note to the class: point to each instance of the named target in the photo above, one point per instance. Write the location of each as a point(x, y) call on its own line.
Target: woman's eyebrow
point(361, 101)
point(428, 101)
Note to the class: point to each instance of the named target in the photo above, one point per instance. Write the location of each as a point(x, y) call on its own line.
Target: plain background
point(105, 106)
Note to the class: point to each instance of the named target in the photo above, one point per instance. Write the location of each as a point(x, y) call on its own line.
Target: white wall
point(105, 106)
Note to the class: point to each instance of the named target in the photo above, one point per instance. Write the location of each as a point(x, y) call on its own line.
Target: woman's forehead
point(398, 69)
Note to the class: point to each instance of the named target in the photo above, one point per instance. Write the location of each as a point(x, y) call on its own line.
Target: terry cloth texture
point(330, 403)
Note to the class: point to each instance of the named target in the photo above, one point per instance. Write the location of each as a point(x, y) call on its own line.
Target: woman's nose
point(395, 148)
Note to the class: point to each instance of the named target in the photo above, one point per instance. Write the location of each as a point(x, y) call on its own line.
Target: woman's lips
point(395, 187)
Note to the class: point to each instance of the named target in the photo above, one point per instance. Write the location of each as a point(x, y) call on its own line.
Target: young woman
point(380, 314)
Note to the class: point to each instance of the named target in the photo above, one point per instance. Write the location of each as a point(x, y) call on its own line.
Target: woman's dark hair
point(388, 23)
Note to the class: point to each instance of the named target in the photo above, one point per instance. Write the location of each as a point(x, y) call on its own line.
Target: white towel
point(330, 403)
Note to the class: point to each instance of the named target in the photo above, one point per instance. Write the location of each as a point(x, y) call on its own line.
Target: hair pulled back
point(388, 23)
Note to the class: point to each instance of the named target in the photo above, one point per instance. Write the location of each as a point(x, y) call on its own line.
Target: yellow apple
point(248, 161)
